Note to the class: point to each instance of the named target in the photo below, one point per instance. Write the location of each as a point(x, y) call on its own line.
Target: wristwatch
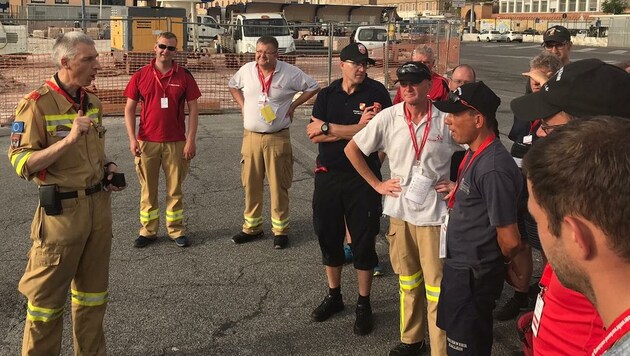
point(325, 128)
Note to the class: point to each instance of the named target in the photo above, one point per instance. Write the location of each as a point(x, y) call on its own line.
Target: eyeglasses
point(357, 65)
point(453, 98)
point(266, 53)
point(547, 129)
point(406, 83)
point(460, 82)
point(170, 48)
point(552, 45)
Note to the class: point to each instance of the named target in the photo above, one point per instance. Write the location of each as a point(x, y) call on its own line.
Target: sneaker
point(378, 270)
point(242, 237)
point(510, 310)
point(182, 241)
point(280, 241)
point(363, 324)
point(330, 305)
point(347, 252)
point(143, 241)
point(403, 349)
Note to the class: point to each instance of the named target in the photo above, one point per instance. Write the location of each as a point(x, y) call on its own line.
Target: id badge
point(443, 228)
point(419, 187)
point(262, 100)
point(538, 310)
point(528, 139)
point(267, 113)
point(164, 103)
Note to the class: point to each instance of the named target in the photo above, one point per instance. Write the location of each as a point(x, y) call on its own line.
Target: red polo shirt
point(149, 86)
point(569, 324)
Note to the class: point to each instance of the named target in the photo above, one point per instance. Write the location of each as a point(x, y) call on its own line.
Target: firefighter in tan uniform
point(57, 141)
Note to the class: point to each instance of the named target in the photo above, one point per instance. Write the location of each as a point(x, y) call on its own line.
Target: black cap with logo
point(475, 96)
point(557, 33)
point(413, 72)
point(357, 53)
point(584, 88)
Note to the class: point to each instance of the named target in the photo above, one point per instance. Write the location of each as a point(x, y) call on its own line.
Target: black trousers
point(342, 198)
point(467, 299)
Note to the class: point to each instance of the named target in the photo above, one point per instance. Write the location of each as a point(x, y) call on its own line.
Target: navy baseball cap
point(471, 96)
point(413, 72)
point(558, 34)
point(357, 53)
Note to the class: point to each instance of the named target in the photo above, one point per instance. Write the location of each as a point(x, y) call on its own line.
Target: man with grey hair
point(57, 140)
point(439, 88)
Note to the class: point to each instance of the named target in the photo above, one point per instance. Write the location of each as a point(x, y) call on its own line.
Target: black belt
point(88, 191)
point(269, 133)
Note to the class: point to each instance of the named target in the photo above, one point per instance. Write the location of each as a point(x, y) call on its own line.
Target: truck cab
point(372, 37)
point(248, 28)
point(206, 28)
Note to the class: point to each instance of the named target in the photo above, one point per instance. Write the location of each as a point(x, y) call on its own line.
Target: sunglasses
point(453, 98)
point(170, 48)
point(551, 45)
point(357, 64)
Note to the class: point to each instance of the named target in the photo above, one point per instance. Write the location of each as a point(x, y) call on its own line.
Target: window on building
point(503, 7)
point(519, 7)
point(572, 4)
point(38, 1)
point(427, 6)
point(61, 1)
point(535, 6)
point(562, 5)
point(526, 8)
point(582, 5)
point(543, 6)
point(510, 7)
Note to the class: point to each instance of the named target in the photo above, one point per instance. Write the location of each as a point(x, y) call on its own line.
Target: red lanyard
point(462, 170)
point(412, 132)
point(617, 330)
point(76, 106)
point(265, 84)
point(157, 79)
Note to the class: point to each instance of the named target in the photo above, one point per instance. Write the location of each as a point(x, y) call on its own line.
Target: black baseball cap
point(584, 88)
point(357, 53)
point(557, 33)
point(471, 96)
point(413, 72)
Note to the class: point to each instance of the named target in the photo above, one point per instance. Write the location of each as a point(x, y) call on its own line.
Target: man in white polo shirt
point(264, 90)
point(420, 168)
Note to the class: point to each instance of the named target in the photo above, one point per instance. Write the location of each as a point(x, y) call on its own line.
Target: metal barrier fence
point(22, 73)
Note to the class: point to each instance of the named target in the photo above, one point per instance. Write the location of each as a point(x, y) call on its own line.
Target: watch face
point(325, 128)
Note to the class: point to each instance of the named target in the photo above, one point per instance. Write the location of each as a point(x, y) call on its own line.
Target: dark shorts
point(340, 198)
point(467, 299)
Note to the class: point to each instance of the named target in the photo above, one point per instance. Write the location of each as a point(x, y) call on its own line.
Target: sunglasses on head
point(453, 98)
point(163, 46)
point(412, 68)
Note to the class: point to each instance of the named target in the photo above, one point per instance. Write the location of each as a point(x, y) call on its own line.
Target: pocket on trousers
point(46, 259)
point(395, 227)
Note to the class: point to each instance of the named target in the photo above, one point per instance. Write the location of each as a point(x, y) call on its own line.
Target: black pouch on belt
point(49, 199)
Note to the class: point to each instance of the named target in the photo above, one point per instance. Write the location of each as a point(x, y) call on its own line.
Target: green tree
point(614, 6)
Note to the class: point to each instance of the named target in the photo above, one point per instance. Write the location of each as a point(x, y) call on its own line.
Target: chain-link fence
point(317, 48)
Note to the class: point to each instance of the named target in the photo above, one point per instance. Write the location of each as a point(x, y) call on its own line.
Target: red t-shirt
point(438, 91)
point(569, 324)
point(159, 124)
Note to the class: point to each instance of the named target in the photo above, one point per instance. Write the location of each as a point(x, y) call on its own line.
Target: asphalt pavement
point(215, 297)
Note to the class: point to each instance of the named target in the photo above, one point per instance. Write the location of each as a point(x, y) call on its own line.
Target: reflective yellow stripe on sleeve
point(89, 299)
point(52, 121)
point(253, 222)
point(19, 160)
point(433, 293)
point(146, 216)
point(411, 282)
point(280, 224)
point(34, 313)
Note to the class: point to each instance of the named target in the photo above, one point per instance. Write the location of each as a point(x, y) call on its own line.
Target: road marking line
point(619, 51)
point(584, 50)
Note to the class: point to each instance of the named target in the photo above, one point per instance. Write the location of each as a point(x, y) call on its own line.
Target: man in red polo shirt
point(439, 88)
point(163, 140)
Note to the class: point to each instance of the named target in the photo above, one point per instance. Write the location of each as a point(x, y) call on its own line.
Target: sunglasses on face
point(170, 48)
point(453, 98)
point(556, 45)
point(357, 65)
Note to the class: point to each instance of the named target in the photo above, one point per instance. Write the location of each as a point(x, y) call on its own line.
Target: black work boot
point(330, 305)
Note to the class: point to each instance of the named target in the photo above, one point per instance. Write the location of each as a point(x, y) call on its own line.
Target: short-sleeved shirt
point(389, 132)
point(486, 199)
point(438, 92)
point(286, 82)
point(334, 105)
point(45, 117)
point(569, 323)
point(159, 124)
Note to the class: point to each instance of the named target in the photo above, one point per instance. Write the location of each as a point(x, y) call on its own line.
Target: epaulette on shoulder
point(37, 93)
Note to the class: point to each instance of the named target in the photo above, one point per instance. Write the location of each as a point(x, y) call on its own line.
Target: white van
point(207, 29)
point(248, 28)
point(372, 37)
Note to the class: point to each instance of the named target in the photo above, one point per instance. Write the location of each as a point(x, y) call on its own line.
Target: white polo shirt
point(388, 132)
point(287, 81)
